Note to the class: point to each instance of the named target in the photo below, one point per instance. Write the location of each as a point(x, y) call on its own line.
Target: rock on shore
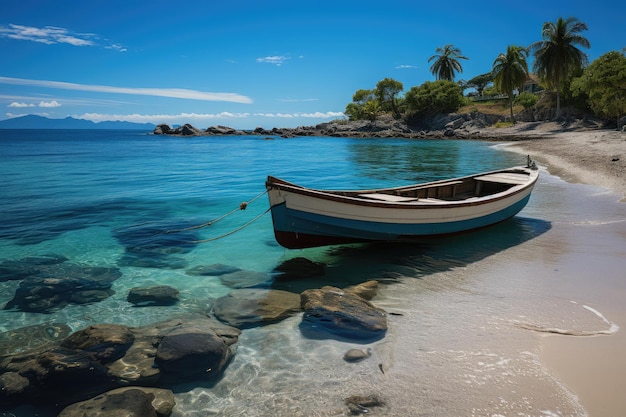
point(450, 125)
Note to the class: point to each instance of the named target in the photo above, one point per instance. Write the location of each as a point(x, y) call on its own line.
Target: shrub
point(437, 97)
point(526, 99)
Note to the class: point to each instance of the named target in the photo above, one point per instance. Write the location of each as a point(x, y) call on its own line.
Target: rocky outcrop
point(106, 356)
point(449, 125)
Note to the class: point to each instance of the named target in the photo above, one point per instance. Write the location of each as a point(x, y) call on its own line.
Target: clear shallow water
point(458, 346)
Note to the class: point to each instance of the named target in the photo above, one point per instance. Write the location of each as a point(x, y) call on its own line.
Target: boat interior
point(454, 190)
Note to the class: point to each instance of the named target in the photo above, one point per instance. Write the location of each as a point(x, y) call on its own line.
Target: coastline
point(592, 367)
point(589, 156)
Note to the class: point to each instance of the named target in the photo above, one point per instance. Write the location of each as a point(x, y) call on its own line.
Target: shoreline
point(590, 366)
point(589, 156)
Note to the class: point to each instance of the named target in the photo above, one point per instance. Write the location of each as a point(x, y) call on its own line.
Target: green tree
point(446, 62)
point(510, 71)
point(357, 109)
point(604, 82)
point(436, 97)
point(386, 92)
point(479, 82)
point(557, 56)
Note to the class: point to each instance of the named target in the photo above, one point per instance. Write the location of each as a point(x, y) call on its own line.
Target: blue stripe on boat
point(294, 221)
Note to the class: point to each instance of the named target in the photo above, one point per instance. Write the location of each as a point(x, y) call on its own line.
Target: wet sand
point(593, 367)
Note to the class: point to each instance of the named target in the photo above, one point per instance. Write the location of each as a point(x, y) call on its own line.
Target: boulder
point(160, 295)
point(127, 402)
point(191, 351)
point(106, 342)
point(106, 356)
point(65, 375)
point(162, 129)
point(250, 307)
point(343, 313)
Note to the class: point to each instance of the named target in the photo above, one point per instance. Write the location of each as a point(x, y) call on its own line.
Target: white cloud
point(277, 60)
point(48, 35)
point(200, 117)
point(52, 103)
point(297, 100)
point(316, 115)
point(406, 67)
point(161, 118)
point(16, 104)
point(158, 92)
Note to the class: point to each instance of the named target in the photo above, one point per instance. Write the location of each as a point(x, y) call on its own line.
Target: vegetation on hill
point(560, 66)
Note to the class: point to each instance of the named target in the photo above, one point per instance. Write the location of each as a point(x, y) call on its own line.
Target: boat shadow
point(390, 262)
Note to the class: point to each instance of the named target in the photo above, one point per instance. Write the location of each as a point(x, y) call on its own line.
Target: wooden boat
point(305, 217)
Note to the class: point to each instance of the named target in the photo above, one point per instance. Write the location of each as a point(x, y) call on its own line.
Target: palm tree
point(446, 62)
point(510, 71)
point(557, 55)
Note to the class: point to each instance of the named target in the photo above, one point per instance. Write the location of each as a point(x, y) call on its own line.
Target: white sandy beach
point(592, 367)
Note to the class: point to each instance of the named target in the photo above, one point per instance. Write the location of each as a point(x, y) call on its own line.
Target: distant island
point(32, 121)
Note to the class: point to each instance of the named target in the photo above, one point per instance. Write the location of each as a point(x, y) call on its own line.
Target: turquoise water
point(106, 198)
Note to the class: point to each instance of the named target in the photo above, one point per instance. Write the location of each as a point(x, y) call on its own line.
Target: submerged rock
point(299, 268)
point(105, 356)
point(127, 402)
point(357, 355)
point(191, 351)
point(32, 338)
point(56, 286)
point(160, 295)
point(360, 404)
point(212, 270)
point(250, 307)
point(343, 313)
point(26, 267)
point(245, 279)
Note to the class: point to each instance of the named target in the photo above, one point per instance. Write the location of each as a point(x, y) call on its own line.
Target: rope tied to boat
point(233, 231)
point(242, 206)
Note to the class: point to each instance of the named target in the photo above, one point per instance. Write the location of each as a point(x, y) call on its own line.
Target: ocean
point(464, 312)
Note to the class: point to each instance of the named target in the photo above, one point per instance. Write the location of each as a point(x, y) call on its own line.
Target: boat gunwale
point(335, 195)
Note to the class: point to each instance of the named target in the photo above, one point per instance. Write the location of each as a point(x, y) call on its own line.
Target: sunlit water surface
point(463, 312)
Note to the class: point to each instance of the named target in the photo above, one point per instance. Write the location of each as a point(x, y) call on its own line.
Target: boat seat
point(421, 187)
point(388, 197)
point(504, 178)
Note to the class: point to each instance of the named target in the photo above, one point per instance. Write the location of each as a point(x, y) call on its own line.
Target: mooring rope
point(241, 207)
point(233, 231)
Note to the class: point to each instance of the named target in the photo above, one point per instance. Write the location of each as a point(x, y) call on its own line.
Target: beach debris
point(359, 404)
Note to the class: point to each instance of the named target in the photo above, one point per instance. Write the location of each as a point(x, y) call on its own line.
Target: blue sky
point(246, 63)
